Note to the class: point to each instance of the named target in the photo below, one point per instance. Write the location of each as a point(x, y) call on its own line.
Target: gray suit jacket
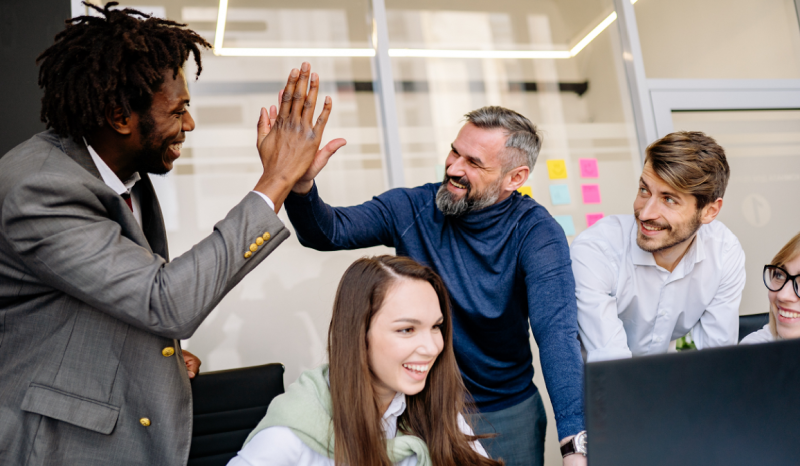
point(88, 302)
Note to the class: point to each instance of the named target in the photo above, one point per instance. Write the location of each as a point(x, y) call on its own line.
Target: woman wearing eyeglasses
point(782, 278)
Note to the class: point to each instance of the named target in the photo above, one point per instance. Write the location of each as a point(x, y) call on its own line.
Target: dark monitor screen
point(727, 406)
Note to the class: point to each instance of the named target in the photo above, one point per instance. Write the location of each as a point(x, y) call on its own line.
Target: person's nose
point(430, 345)
point(188, 122)
point(650, 210)
point(787, 294)
point(455, 166)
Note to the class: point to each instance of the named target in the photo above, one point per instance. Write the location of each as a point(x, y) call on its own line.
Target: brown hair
point(692, 163)
point(787, 254)
point(431, 414)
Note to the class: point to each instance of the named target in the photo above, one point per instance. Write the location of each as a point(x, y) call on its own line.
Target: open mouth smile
point(459, 186)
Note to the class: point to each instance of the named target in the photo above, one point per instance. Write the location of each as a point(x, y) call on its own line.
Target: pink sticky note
point(591, 219)
point(591, 193)
point(588, 168)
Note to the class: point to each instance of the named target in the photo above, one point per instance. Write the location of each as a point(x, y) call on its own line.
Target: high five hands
point(288, 141)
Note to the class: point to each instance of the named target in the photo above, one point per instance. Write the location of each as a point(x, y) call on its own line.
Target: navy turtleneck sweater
point(502, 265)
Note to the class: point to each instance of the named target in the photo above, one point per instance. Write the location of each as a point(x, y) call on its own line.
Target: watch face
point(580, 443)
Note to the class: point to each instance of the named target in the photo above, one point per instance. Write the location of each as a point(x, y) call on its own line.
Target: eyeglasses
point(776, 278)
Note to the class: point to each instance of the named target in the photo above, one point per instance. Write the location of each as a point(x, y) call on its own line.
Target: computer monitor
point(724, 406)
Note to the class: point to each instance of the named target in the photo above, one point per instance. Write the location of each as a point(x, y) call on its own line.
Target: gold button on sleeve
point(145, 422)
point(248, 254)
point(168, 351)
point(266, 236)
point(259, 241)
point(253, 247)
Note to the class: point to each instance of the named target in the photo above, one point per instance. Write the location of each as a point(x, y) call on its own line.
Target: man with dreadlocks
point(91, 311)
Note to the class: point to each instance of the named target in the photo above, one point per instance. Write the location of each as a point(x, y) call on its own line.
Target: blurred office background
point(600, 78)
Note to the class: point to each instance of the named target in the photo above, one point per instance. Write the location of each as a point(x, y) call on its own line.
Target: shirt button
point(168, 351)
point(259, 241)
point(656, 339)
point(254, 247)
point(248, 254)
point(266, 236)
point(145, 422)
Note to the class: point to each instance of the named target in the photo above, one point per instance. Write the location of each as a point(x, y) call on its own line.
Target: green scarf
point(306, 409)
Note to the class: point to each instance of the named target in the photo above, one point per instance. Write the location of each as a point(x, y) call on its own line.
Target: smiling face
point(474, 175)
point(161, 132)
point(665, 217)
point(785, 305)
point(404, 339)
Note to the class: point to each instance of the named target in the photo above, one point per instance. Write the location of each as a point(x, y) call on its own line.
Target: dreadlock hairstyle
point(117, 60)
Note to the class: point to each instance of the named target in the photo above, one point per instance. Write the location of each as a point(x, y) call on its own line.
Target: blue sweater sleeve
point(325, 228)
point(553, 313)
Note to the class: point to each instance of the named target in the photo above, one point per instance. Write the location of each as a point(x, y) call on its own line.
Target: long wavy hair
point(787, 254)
point(431, 414)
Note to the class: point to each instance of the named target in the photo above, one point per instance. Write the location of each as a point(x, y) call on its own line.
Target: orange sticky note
point(557, 169)
point(526, 191)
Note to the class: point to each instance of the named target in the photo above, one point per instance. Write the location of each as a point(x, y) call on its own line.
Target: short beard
point(452, 207)
point(674, 238)
point(150, 156)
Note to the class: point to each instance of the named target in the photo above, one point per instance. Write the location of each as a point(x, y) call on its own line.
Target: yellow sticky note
point(526, 191)
point(557, 169)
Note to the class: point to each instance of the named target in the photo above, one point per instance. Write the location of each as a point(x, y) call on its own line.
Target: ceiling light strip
point(413, 53)
point(293, 52)
point(222, 19)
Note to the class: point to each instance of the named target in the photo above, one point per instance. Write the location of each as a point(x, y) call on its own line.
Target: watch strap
point(568, 449)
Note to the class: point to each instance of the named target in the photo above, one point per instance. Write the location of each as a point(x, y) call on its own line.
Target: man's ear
point(711, 211)
point(516, 178)
point(117, 121)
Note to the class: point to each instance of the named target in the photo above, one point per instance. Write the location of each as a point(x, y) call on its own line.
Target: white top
point(112, 181)
point(630, 306)
point(279, 446)
point(759, 336)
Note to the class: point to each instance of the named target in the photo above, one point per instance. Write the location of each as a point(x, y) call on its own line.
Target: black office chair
point(751, 323)
point(227, 407)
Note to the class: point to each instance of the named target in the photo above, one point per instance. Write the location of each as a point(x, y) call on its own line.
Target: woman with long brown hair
point(782, 279)
point(392, 392)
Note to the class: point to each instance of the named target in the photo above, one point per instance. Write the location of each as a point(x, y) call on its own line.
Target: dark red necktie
point(127, 197)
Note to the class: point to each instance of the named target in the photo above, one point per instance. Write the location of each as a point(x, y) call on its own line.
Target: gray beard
point(452, 207)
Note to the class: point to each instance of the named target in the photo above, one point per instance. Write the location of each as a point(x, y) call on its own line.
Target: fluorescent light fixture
point(415, 53)
point(592, 34)
point(428, 53)
point(222, 18)
point(293, 52)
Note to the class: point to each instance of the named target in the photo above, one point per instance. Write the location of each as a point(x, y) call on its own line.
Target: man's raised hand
point(288, 140)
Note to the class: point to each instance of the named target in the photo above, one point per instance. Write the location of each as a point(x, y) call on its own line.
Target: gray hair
point(523, 142)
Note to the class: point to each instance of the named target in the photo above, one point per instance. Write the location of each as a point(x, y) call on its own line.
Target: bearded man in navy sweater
point(505, 262)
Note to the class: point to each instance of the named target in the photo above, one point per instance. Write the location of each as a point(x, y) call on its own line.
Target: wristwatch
point(576, 445)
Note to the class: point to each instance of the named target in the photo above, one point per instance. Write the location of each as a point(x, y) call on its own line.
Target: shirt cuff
point(266, 199)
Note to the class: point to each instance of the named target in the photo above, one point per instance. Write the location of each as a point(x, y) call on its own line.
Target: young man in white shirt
point(646, 279)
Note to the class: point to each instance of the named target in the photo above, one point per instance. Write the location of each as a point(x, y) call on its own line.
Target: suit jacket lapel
point(152, 219)
point(152, 234)
point(80, 154)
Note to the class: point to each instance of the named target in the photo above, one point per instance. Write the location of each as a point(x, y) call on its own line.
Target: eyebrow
point(663, 193)
point(471, 158)
point(415, 321)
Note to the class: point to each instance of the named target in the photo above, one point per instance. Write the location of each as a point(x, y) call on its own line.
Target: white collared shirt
point(630, 306)
point(120, 187)
point(764, 335)
point(279, 446)
point(112, 181)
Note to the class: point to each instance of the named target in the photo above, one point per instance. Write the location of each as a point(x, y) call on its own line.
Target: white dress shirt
point(764, 335)
point(112, 181)
point(279, 446)
point(630, 306)
point(120, 187)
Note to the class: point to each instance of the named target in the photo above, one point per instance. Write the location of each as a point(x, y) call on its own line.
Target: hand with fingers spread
point(288, 140)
